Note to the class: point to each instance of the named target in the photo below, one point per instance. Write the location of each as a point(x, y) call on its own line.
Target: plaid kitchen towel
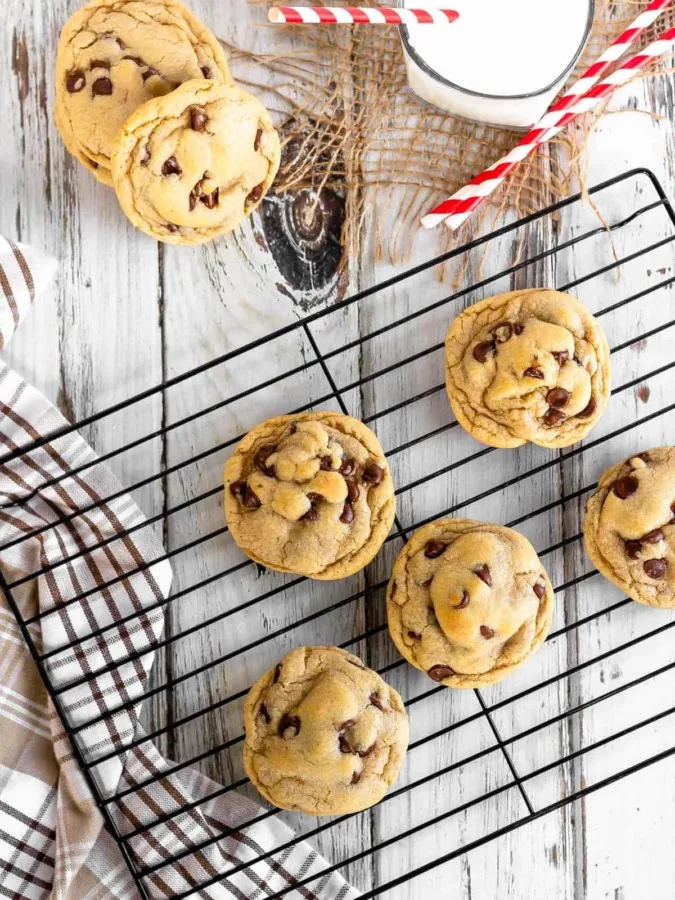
point(57, 518)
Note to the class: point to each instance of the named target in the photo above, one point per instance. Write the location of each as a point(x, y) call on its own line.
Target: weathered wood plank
point(124, 313)
point(95, 339)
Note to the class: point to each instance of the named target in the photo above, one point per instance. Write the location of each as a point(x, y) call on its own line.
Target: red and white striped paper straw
point(582, 97)
point(352, 15)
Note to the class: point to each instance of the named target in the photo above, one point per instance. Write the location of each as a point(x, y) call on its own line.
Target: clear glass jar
point(502, 62)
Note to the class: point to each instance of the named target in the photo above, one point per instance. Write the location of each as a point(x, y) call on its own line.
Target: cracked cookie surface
point(531, 365)
point(113, 56)
point(192, 165)
point(468, 602)
point(324, 734)
point(629, 527)
point(310, 494)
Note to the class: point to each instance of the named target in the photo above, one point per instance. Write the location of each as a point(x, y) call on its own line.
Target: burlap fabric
point(350, 123)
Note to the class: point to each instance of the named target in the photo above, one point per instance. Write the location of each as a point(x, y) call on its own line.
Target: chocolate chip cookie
point(115, 55)
point(468, 602)
point(191, 166)
point(310, 494)
point(629, 527)
point(324, 734)
point(531, 365)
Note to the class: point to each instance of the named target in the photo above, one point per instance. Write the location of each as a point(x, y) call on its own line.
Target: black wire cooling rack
point(514, 753)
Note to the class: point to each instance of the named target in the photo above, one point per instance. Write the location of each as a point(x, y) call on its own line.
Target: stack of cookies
point(468, 602)
point(145, 100)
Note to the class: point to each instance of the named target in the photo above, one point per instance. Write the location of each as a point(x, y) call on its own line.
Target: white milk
point(502, 62)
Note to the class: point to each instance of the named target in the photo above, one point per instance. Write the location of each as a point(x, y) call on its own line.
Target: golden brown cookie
point(468, 602)
point(531, 365)
point(629, 527)
point(310, 494)
point(115, 55)
point(191, 166)
point(324, 734)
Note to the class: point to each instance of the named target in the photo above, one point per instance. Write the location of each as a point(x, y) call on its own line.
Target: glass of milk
point(502, 62)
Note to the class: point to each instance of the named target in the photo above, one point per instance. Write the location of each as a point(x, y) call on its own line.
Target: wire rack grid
point(480, 763)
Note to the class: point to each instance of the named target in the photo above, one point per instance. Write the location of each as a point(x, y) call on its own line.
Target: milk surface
point(502, 47)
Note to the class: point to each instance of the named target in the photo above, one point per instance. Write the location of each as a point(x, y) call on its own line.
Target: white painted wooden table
point(126, 313)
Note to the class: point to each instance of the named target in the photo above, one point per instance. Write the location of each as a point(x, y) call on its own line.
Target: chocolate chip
point(352, 491)
point(440, 673)
point(539, 589)
point(483, 350)
point(347, 516)
point(277, 673)
point(264, 713)
point(135, 59)
point(206, 71)
point(171, 167)
point(558, 397)
point(655, 568)
point(464, 602)
point(487, 632)
point(376, 700)
point(103, 87)
point(434, 549)
point(261, 457)
point(345, 746)
point(373, 474)
point(519, 329)
point(356, 777)
point(345, 725)
point(414, 635)
point(625, 486)
point(198, 118)
point(533, 372)
point(348, 467)
point(653, 537)
point(366, 752)
point(258, 138)
point(210, 201)
point(326, 463)
point(313, 498)
point(197, 193)
point(238, 490)
point(311, 515)
point(483, 573)
point(149, 73)
point(554, 417)
point(256, 193)
point(75, 81)
point(645, 457)
point(251, 500)
point(502, 332)
point(588, 411)
point(289, 726)
point(147, 156)
point(632, 549)
point(672, 509)
point(560, 356)
point(99, 64)
point(172, 228)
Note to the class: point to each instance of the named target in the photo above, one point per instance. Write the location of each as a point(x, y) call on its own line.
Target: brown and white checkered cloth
point(53, 841)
